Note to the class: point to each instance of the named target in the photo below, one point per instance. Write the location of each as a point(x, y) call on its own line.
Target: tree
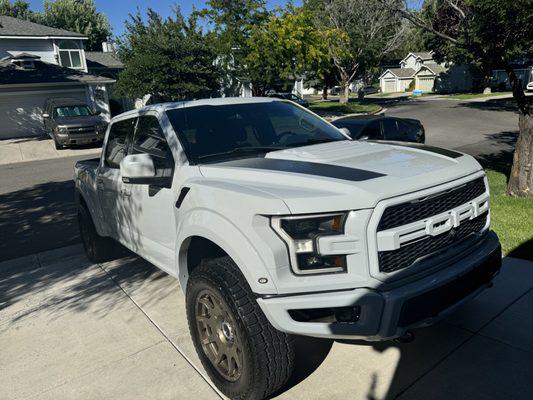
point(493, 33)
point(18, 9)
point(232, 23)
point(167, 58)
point(285, 48)
point(78, 16)
point(360, 33)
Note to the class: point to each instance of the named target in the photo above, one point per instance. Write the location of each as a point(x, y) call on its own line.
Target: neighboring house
point(38, 62)
point(426, 74)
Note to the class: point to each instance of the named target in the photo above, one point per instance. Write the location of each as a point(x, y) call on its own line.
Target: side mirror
point(46, 115)
point(137, 168)
point(346, 131)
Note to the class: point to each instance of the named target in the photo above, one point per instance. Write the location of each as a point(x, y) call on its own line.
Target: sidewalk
point(70, 329)
point(38, 148)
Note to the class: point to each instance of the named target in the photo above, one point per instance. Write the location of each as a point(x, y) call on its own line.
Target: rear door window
point(120, 135)
point(372, 131)
point(390, 130)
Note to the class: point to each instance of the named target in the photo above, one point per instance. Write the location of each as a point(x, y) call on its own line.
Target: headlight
point(301, 234)
point(62, 130)
point(100, 129)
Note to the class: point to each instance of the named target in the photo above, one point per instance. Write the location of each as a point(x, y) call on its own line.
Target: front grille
point(432, 303)
point(81, 130)
point(390, 261)
point(406, 213)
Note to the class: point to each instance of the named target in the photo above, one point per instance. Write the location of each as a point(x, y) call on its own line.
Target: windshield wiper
point(242, 150)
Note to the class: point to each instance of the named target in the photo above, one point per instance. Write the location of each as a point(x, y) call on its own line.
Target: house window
point(70, 54)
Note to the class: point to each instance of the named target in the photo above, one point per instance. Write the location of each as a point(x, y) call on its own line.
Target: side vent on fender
point(182, 196)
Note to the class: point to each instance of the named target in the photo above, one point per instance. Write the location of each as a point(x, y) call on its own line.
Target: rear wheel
point(241, 351)
point(98, 248)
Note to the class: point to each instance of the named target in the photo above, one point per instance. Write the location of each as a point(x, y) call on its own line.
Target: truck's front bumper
point(387, 314)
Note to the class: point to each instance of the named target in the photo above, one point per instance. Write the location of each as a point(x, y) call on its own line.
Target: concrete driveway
point(71, 329)
point(39, 148)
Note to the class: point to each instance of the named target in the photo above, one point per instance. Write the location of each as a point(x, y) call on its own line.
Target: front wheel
point(241, 351)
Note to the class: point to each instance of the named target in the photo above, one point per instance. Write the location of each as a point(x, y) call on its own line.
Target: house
point(38, 62)
point(418, 70)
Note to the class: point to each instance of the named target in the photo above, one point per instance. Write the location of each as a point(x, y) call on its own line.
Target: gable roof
point(435, 68)
point(44, 73)
point(423, 55)
point(400, 72)
point(99, 59)
point(14, 27)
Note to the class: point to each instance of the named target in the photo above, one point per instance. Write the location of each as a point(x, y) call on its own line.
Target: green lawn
point(336, 108)
point(511, 218)
point(468, 96)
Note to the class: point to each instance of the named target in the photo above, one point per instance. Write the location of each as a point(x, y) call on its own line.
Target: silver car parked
point(72, 122)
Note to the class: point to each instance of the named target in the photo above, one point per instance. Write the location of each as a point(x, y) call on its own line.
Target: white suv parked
point(276, 223)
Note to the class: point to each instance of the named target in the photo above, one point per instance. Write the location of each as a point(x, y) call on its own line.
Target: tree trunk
point(325, 93)
point(344, 92)
point(521, 178)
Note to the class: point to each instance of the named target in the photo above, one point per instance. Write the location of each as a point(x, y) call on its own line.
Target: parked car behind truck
point(276, 223)
point(72, 122)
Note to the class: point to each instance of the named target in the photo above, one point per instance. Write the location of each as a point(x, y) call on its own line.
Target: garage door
point(21, 113)
point(425, 84)
point(390, 85)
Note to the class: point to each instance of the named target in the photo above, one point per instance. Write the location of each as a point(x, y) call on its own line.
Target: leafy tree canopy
point(168, 58)
point(286, 47)
point(79, 16)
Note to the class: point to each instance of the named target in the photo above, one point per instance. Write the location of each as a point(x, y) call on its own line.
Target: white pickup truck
point(278, 224)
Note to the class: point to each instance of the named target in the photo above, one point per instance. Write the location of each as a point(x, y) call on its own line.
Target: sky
point(117, 10)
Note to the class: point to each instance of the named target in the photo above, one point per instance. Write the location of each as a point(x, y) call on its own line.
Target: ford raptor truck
point(277, 224)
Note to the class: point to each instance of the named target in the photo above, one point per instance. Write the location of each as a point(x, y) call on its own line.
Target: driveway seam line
point(185, 357)
point(105, 365)
point(474, 334)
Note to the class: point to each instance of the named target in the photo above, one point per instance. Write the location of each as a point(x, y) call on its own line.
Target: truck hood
point(344, 175)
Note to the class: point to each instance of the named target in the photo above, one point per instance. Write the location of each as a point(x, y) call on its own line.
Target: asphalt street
point(487, 130)
point(37, 211)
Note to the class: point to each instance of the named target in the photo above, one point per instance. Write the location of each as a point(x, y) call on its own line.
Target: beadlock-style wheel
point(220, 342)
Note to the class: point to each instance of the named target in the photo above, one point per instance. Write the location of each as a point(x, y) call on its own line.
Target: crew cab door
point(153, 229)
point(112, 192)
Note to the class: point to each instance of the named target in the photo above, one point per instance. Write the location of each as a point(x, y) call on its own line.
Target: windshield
point(72, 111)
point(212, 133)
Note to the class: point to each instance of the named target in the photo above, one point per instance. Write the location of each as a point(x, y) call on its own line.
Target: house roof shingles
point(98, 59)
point(10, 26)
point(44, 73)
point(402, 72)
point(424, 55)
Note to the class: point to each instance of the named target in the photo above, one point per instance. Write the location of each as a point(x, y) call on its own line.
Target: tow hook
point(407, 337)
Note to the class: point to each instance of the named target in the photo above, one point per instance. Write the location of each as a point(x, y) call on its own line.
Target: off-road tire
point(57, 145)
point(98, 248)
point(267, 354)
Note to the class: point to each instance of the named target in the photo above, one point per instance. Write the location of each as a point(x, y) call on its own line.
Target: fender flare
point(230, 239)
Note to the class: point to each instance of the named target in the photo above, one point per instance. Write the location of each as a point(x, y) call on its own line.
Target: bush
point(411, 86)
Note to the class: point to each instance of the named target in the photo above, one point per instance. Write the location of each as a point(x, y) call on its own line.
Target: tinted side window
point(149, 139)
point(117, 143)
point(390, 130)
point(372, 131)
point(408, 131)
